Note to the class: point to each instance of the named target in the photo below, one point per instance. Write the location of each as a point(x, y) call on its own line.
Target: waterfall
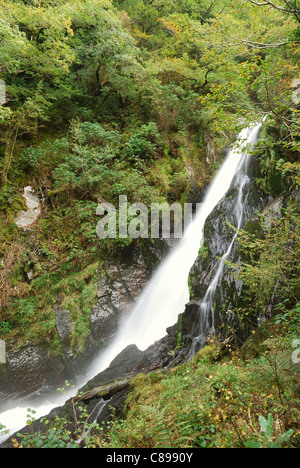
point(167, 293)
point(241, 182)
point(92, 419)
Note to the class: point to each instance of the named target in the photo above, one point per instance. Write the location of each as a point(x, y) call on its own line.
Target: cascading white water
point(92, 418)
point(206, 307)
point(167, 293)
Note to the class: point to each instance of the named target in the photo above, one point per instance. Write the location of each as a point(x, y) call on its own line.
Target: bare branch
point(294, 11)
point(261, 45)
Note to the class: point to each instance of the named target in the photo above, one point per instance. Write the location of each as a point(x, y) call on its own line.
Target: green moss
point(207, 353)
point(254, 227)
point(32, 318)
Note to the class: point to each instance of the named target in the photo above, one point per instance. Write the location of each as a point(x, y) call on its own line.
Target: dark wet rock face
point(122, 281)
point(218, 235)
point(215, 289)
point(64, 328)
point(34, 368)
point(111, 386)
point(259, 210)
point(28, 370)
point(120, 284)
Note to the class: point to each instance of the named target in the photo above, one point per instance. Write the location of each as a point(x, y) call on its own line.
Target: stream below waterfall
point(167, 293)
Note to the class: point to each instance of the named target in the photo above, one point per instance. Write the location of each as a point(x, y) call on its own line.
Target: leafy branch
point(294, 11)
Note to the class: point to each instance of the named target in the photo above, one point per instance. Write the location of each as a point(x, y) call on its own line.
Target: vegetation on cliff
point(106, 99)
point(245, 399)
point(138, 98)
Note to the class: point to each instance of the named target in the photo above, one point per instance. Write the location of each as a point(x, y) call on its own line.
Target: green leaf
point(266, 425)
point(253, 444)
point(286, 436)
point(273, 445)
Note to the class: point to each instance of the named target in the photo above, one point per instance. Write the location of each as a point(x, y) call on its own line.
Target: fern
point(165, 435)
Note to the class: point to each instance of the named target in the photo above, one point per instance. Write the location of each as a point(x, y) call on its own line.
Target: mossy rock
point(254, 227)
point(208, 352)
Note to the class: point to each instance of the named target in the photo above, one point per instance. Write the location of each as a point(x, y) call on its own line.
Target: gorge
point(122, 325)
point(167, 294)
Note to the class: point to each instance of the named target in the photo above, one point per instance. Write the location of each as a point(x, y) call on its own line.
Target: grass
point(246, 398)
point(209, 403)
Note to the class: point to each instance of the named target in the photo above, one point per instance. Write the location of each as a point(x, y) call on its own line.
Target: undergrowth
point(233, 403)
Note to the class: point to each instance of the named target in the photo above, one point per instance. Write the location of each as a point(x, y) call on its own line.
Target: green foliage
point(270, 266)
point(143, 145)
point(288, 317)
point(10, 201)
point(58, 433)
point(125, 98)
point(267, 438)
point(212, 404)
point(3, 430)
point(41, 160)
point(57, 437)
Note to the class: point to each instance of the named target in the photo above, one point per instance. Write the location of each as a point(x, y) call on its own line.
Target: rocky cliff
point(122, 283)
point(35, 369)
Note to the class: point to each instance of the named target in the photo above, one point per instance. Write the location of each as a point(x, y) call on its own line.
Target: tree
point(34, 63)
point(285, 6)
